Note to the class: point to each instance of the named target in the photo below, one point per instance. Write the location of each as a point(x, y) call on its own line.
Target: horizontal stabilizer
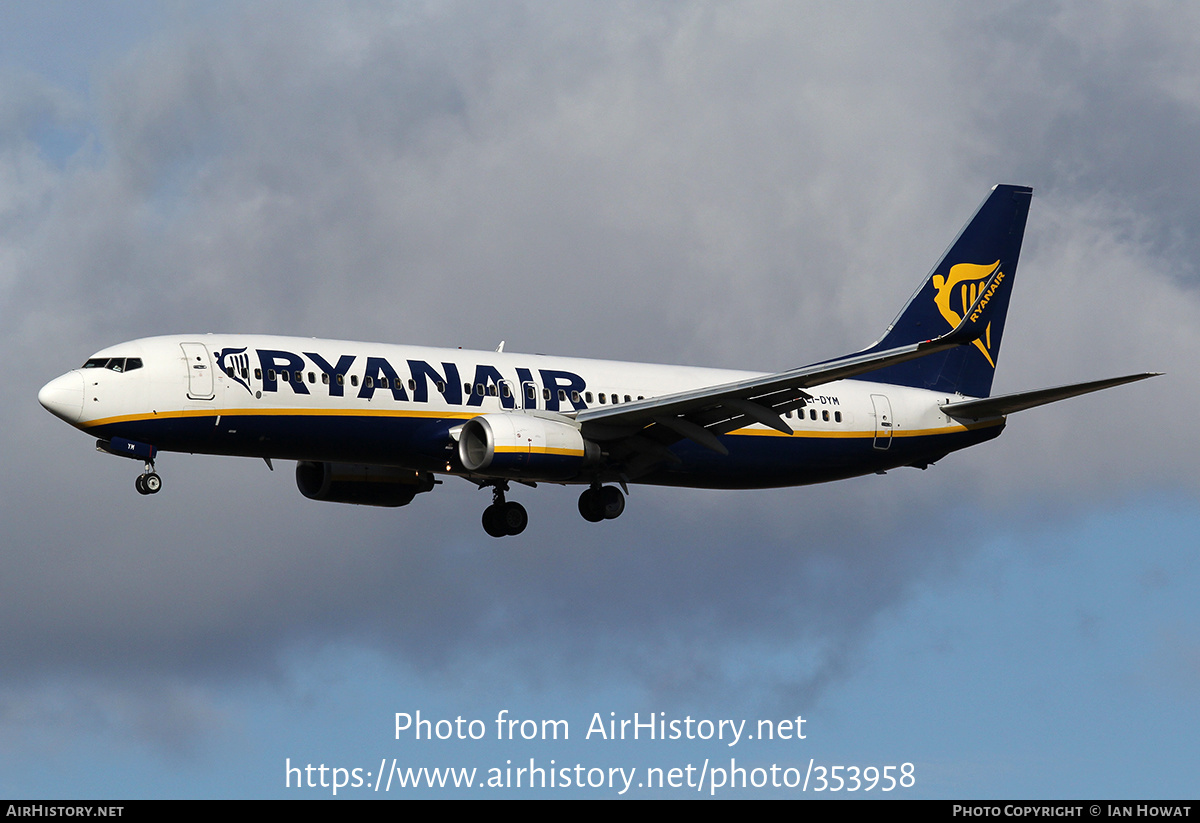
point(1009, 403)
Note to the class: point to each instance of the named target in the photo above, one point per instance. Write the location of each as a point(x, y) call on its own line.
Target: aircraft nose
point(63, 397)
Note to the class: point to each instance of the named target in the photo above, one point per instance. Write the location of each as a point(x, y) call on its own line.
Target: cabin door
point(883, 421)
point(199, 370)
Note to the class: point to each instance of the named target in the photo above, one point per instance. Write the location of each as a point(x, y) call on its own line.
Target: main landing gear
point(502, 519)
point(601, 503)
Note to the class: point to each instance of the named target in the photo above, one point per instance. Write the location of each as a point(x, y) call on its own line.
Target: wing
point(645, 428)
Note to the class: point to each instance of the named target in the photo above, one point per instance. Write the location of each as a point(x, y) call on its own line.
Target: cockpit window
point(117, 364)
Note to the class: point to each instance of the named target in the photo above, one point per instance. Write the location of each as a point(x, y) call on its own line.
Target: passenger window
point(271, 375)
point(545, 394)
point(466, 388)
point(341, 379)
point(245, 371)
point(368, 382)
point(574, 397)
point(479, 389)
point(812, 414)
point(601, 398)
point(354, 380)
point(299, 377)
point(562, 395)
point(825, 416)
point(627, 400)
point(312, 378)
point(491, 390)
point(505, 391)
point(258, 374)
point(441, 385)
point(837, 417)
point(325, 377)
point(587, 397)
point(530, 391)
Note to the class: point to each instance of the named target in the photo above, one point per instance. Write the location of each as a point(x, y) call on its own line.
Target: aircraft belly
point(416, 442)
point(767, 461)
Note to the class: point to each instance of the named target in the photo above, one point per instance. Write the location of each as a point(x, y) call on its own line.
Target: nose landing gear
point(148, 482)
point(502, 519)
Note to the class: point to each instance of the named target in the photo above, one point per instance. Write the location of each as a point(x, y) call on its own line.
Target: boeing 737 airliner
point(374, 423)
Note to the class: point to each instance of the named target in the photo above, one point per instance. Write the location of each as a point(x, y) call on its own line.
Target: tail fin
point(990, 241)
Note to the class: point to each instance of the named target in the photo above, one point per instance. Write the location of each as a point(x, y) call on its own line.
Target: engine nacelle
point(522, 445)
point(361, 484)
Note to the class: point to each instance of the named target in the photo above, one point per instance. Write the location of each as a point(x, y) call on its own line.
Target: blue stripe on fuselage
point(423, 442)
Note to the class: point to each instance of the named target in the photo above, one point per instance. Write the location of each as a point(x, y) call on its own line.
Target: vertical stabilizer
point(990, 242)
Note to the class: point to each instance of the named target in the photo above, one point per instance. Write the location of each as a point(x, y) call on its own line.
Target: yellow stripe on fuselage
point(129, 418)
point(388, 413)
point(957, 427)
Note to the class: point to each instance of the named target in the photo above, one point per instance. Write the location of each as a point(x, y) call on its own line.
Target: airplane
point(375, 424)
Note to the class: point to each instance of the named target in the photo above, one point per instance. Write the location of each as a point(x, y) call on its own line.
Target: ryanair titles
point(987, 295)
point(363, 376)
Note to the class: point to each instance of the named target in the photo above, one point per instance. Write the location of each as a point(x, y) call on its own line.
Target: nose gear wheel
point(148, 483)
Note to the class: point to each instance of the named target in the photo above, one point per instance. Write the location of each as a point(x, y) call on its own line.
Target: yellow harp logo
point(956, 294)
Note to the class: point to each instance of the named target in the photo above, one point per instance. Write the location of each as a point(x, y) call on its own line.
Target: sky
point(747, 185)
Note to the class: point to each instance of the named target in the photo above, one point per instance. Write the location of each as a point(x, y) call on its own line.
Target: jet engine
point(361, 484)
point(522, 445)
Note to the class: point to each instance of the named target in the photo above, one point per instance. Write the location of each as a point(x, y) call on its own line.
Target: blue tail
point(990, 241)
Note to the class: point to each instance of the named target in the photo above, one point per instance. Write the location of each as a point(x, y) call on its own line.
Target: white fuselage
point(333, 400)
